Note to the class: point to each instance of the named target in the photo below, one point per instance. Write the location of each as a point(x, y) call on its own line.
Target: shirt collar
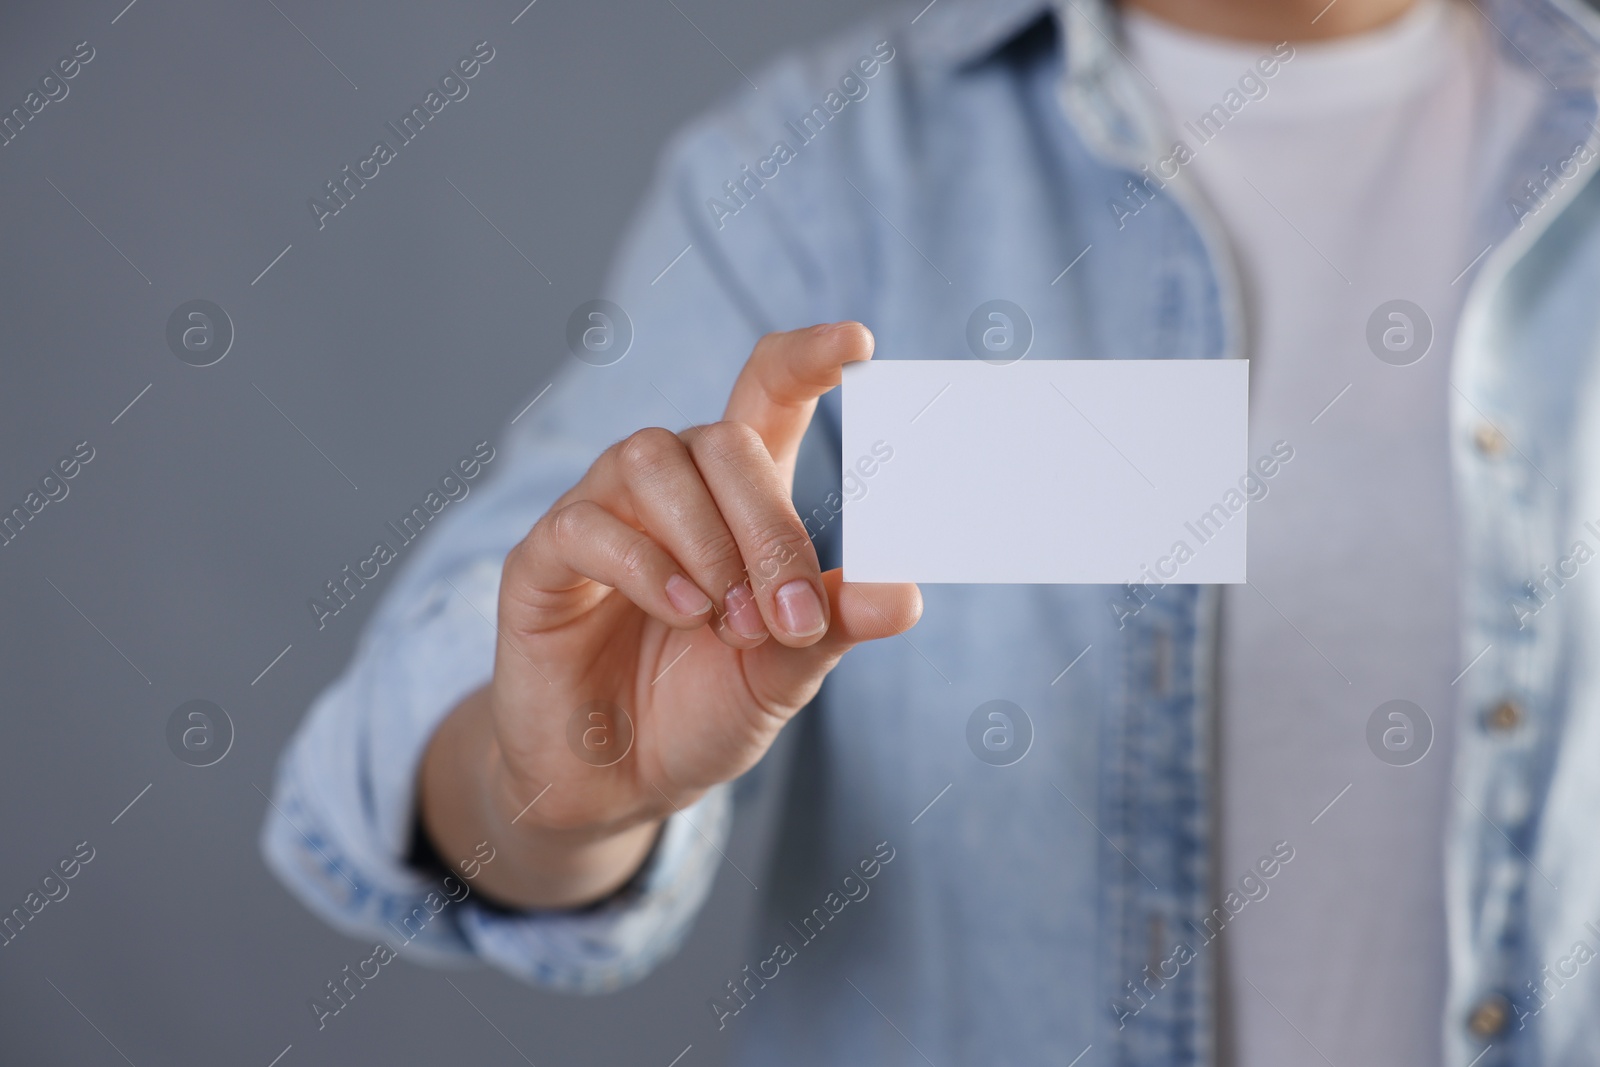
point(1110, 113)
point(958, 32)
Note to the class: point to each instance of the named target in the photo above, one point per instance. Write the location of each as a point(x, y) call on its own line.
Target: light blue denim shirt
point(1016, 917)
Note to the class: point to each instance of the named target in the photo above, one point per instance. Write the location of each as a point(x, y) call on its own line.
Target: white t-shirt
point(1352, 182)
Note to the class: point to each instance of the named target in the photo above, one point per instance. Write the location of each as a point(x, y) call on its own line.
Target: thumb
point(786, 678)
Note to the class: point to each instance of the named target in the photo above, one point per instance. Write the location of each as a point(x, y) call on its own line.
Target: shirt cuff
point(620, 940)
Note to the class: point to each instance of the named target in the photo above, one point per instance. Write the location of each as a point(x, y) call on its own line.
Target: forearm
point(465, 797)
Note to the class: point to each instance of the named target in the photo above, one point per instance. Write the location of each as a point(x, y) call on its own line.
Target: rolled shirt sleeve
point(338, 828)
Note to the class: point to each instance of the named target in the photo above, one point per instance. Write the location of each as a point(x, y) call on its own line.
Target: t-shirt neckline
point(1193, 71)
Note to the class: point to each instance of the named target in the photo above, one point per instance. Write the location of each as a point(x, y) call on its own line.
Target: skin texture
point(672, 581)
point(654, 584)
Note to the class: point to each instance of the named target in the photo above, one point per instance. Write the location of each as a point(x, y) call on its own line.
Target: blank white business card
point(1045, 471)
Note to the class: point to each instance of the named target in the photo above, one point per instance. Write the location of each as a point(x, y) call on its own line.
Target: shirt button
point(1504, 716)
point(1489, 1017)
point(1489, 441)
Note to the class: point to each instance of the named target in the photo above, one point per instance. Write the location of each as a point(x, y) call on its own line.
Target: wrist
point(559, 856)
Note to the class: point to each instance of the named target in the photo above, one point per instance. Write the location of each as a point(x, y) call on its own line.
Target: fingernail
point(799, 609)
point(743, 615)
point(685, 597)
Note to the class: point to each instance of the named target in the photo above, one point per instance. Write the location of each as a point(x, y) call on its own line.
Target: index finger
point(776, 392)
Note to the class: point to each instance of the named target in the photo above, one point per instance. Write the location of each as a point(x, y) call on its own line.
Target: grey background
point(394, 339)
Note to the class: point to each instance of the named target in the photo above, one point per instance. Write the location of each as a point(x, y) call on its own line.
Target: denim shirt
point(1016, 914)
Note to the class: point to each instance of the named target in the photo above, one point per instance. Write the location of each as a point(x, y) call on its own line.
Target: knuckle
point(718, 552)
point(776, 544)
point(636, 557)
point(735, 439)
point(648, 449)
point(569, 523)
